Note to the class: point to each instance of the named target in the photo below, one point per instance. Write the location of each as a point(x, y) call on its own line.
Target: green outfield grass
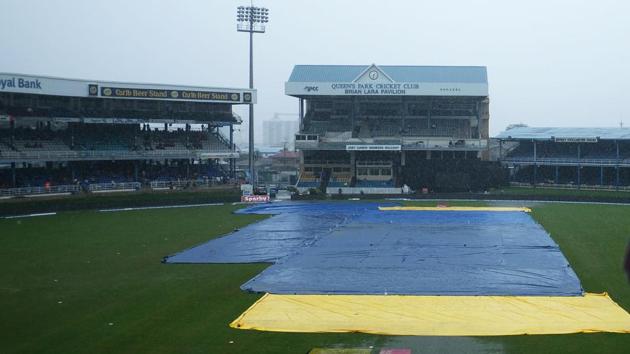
point(89, 282)
point(557, 192)
point(21, 206)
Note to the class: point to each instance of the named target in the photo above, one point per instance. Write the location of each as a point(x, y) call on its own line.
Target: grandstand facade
point(56, 131)
point(369, 126)
point(567, 156)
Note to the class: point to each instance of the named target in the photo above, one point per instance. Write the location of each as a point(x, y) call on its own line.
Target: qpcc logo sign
point(16, 82)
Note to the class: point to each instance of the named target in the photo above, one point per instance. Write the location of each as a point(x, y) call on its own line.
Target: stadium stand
point(595, 157)
point(66, 132)
point(413, 122)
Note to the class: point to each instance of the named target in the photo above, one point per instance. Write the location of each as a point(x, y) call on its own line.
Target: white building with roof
point(382, 125)
point(566, 155)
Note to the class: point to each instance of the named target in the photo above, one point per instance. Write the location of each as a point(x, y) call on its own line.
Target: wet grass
point(88, 282)
point(557, 192)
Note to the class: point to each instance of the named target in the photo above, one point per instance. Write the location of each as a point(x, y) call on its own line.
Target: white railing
point(108, 187)
point(113, 154)
point(180, 184)
point(102, 187)
point(566, 160)
point(571, 186)
point(15, 192)
point(445, 144)
point(364, 190)
point(69, 188)
point(439, 144)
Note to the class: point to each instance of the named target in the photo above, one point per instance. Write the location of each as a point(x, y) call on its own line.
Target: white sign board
point(247, 189)
point(385, 89)
point(373, 81)
point(255, 199)
point(373, 147)
point(576, 140)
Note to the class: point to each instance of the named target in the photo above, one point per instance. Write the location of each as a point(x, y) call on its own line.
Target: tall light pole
point(251, 19)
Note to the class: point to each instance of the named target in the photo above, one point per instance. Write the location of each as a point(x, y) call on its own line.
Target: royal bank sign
point(17, 82)
point(375, 82)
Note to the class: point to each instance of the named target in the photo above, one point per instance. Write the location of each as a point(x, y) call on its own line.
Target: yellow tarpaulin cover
point(436, 315)
point(457, 208)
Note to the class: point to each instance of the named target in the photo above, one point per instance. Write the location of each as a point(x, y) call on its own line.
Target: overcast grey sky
point(550, 63)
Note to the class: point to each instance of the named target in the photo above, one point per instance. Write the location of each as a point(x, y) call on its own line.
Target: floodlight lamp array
point(252, 14)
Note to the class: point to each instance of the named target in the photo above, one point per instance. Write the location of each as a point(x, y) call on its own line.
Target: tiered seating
point(5, 145)
point(565, 151)
point(389, 127)
point(523, 150)
point(601, 150)
point(375, 184)
point(213, 143)
point(31, 140)
point(118, 113)
point(414, 127)
point(385, 128)
point(307, 181)
point(101, 137)
point(321, 127)
point(56, 145)
point(108, 137)
point(552, 150)
point(339, 181)
point(364, 130)
point(456, 128)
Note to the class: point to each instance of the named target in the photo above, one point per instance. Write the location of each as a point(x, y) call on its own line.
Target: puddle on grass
point(447, 345)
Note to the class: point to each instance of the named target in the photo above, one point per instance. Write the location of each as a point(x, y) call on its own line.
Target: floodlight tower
point(251, 19)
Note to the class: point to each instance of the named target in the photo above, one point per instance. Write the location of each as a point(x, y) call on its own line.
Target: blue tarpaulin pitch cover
point(293, 227)
point(353, 248)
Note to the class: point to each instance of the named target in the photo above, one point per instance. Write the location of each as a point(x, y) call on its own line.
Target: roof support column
point(429, 113)
point(13, 179)
point(617, 148)
point(557, 179)
point(353, 114)
point(617, 177)
point(478, 121)
point(12, 127)
point(301, 112)
point(579, 167)
point(617, 167)
point(534, 141)
point(403, 113)
point(579, 151)
point(353, 168)
point(232, 160)
point(601, 175)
